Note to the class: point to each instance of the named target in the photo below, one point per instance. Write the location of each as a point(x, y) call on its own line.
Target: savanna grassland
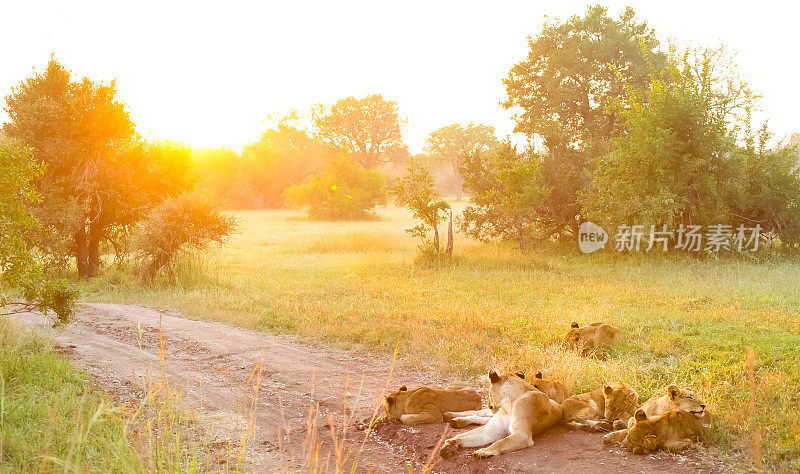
point(685, 320)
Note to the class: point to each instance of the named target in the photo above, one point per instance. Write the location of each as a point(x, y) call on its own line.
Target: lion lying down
point(426, 405)
point(674, 398)
point(521, 412)
point(673, 431)
point(553, 388)
point(592, 338)
point(601, 409)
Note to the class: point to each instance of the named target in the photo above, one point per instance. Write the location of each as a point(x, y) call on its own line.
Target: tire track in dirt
point(305, 393)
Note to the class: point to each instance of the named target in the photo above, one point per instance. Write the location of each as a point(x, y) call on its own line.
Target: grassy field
point(50, 418)
point(685, 320)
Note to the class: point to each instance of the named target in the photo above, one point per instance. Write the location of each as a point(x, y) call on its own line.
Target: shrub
point(177, 227)
point(415, 190)
point(344, 190)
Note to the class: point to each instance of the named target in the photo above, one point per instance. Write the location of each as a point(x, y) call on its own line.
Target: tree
point(415, 191)
point(561, 94)
point(179, 226)
point(448, 145)
point(368, 129)
point(506, 195)
point(20, 266)
point(99, 176)
point(682, 161)
point(344, 190)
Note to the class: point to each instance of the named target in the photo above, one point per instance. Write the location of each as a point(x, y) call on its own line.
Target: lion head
point(504, 386)
point(686, 400)
point(573, 338)
point(620, 400)
point(391, 407)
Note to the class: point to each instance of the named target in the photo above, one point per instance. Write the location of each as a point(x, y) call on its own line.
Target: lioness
point(553, 388)
point(599, 409)
point(674, 398)
point(522, 412)
point(673, 431)
point(589, 339)
point(426, 405)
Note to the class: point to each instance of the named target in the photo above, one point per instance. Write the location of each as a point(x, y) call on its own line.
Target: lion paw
point(484, 453)
point(449, 449)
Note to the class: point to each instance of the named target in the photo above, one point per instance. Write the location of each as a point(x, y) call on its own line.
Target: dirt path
point(305, 394)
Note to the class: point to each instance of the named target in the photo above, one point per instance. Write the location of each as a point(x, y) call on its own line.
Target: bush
point(344, 190)
point(178, 227)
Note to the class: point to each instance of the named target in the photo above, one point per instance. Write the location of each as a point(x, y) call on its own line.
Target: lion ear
point(673, 391)
point(608, 390)
point(575, 326)
point(389, 400)
point(493, 377)
point(402, 388)
point(538, 375)
point(520, 374)
point(640, 415)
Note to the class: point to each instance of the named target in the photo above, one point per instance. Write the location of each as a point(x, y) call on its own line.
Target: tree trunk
point(81, 252)
point(95, 235)
point(449, 248)
point(436, 238)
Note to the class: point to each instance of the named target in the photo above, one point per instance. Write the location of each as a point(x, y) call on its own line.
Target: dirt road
point(297, 396)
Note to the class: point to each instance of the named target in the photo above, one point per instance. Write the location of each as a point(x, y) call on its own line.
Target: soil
point(307, 405)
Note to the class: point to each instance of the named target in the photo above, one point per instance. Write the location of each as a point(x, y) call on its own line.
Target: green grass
point(685, 320)
point(50, 417)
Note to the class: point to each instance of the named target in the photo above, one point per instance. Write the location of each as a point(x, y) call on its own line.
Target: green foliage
point(679, 161)
point(562, 92)
point(368, 129)
point(284, 156)
point(344, 190)
point(415, 191)
point(21, 266)
point(448, 146)
point(507, 196)
point(179, 226)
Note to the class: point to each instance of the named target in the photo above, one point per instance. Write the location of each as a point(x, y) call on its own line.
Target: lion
point(520, 413)
point(592, 338)
point(426, 405)
point(673, 431)
point(600, 409)
point(674, 398)
point(555, 389)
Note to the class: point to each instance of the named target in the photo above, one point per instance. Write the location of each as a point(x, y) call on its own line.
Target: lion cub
point(600, 409)
point(592, 338)
point(426, 405)
point(674, 398)
point(520, 413)
point(673, 431)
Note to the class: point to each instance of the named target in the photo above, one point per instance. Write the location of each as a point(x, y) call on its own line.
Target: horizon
point(207, 81)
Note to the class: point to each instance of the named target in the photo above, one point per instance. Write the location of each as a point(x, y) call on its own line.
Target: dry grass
point(686, 321)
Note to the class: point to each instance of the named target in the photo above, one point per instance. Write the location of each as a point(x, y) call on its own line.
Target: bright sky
point(209, 73)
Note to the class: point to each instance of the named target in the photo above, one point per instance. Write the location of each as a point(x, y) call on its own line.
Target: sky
point(211, 74)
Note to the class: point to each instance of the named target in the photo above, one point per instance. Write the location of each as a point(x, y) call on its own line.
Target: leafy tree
point(561, 94)
point(344, 190)
point(99, 176)
point(368, 129)
point(21, 267)
point(415, 191)
point(282, 157)
point(448, 145)
point(179, 226)
point(673, 163)
point(507, 196)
